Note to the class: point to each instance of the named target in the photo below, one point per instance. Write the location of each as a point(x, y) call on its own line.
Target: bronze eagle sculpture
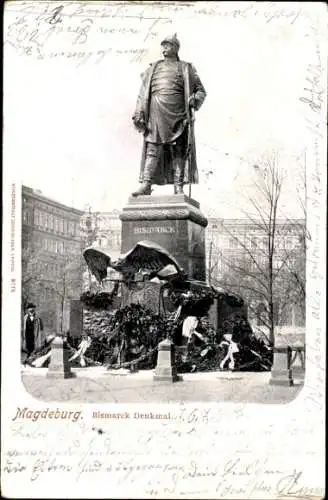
point(146, 258)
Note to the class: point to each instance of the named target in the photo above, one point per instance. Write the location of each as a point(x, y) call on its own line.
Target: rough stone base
point(60, 374)
point(167, 378)
point(281, 374)
point(298, 374)
point(166, 373)
point(281, 378)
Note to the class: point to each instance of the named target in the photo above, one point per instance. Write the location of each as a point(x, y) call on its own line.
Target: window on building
point(36, 217)
point(233, 242)
point(278, 243)
point(299, 312)
point(285, 314)
point(261, 314)
point(278, 263)
point(253, 242)
point(276, 309)
point(51, 222)
point(289, 243)
point(101, 222)
point(25, 216)
point(253, 265)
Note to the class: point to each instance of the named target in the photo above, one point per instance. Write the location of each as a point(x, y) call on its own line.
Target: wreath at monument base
point(100, 300)
point(125, 335)
point(129, 337)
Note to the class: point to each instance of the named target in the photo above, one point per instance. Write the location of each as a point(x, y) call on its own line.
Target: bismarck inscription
point(154, 230)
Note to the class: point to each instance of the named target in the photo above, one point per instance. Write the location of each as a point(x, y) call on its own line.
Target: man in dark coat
point(33, 335)
point(170, 92)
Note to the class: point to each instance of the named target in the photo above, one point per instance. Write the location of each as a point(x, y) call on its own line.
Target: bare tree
point(50, 279)
point(294, 259)
point(213, 262)
point(30, 270)
point(66, 284)
point(255, 275)
point(297, 267)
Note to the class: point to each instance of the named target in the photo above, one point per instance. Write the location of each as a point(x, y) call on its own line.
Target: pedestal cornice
point(163, 208)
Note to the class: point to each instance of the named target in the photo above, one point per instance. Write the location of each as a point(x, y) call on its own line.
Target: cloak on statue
point(192, 86)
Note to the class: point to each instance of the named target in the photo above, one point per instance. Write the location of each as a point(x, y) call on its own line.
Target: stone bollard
point(281, 374)
point(166, 370)
point(59, 366)
point(298, 362)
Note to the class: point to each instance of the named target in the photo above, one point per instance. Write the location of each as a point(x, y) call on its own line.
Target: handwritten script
point(313, 99)
point(89, 32)
point(81, 453)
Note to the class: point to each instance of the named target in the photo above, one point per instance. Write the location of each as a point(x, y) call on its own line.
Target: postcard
point(164, 249)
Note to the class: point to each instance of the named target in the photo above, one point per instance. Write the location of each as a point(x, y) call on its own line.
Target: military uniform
point(163, 115)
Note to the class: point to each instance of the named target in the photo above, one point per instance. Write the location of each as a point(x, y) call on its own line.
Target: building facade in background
point(51, 256)
point(102, 229)
point(238, 258)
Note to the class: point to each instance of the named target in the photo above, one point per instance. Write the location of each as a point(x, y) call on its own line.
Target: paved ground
point(95, 385)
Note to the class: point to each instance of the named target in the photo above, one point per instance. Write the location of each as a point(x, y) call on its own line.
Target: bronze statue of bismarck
point(171, 91)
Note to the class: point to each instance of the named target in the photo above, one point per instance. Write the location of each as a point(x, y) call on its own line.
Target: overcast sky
point(67, 119)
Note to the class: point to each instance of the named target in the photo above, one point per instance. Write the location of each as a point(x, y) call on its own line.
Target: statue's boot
point(149, 171)
point(179, 168)
point(144, 189)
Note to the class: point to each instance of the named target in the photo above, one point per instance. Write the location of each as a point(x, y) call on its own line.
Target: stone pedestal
point(166, 370)
point(59, 366)
point(281, 373)
point(175, 222)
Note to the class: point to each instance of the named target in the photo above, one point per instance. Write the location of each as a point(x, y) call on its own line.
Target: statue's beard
point(174, 57)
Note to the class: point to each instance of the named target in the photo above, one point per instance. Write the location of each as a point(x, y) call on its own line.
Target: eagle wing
point(97, 261)
point(148, 257)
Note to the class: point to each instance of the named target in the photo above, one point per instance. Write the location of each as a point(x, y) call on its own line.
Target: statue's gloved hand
point(139, 122)
point(192, 101)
